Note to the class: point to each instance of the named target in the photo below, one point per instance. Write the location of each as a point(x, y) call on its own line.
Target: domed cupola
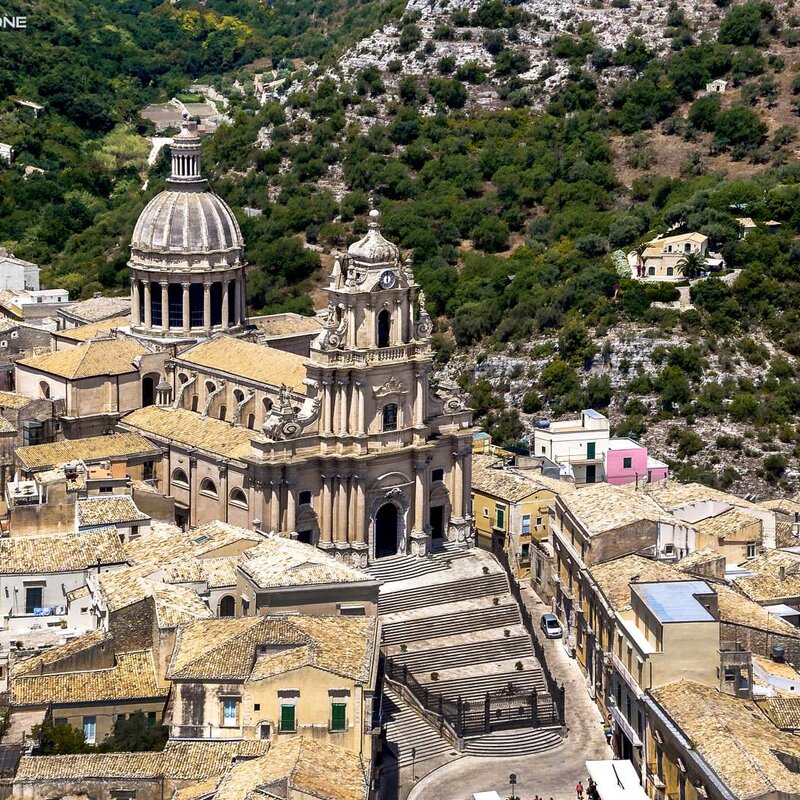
point(373, 248)
point(187, 254)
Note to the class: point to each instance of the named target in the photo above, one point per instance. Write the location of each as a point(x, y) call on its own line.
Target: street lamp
point(512, 782)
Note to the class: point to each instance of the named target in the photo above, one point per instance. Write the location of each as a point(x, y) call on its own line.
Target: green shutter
point(287, 718)
point(338, 716)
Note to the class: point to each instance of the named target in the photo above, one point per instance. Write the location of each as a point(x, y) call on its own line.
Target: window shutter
point(287, 718)
point(338, 716)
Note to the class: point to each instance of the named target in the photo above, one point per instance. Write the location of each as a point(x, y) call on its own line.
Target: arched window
point(267, 403)
point(651, 270)
point(251, 421)
point(223, 411)
point(44, 389)
point(208, 488)
point(182, 377)
point(390, 417)
point(227, 606)
point(210, 387)
point(238, 498)
point(195, 402)
point(670, 271)
point(384, 326)
point(238, 395)
point(179, 478)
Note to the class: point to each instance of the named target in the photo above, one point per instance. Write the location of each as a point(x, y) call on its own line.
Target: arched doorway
point(148, 391)
point(384, 326)
point(227, 606)
point(386, 525)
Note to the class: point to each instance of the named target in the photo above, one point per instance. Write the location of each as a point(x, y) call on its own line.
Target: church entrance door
point(386, 525)
point(437, 523)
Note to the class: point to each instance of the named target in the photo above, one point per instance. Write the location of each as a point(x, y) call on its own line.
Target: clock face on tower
point(388, 279)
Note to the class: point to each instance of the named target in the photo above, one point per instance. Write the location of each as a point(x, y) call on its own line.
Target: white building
point(580, 443)
point(16, 273)
point(6, 152)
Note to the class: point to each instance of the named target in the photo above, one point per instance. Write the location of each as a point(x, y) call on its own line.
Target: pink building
point(627, 461)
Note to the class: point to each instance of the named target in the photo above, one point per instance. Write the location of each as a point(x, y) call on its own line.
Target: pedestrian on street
point(579, 790)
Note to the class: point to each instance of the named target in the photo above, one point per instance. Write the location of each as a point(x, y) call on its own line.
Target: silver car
point(551, 626)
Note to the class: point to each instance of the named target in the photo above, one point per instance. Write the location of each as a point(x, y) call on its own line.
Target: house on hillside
point(662, 257)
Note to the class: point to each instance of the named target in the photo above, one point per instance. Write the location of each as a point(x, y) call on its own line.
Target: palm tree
point(691, 265)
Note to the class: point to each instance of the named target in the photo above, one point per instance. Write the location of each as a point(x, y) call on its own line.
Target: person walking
point(579, 790)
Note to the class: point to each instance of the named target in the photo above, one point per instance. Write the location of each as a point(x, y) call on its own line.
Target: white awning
point(616, 780)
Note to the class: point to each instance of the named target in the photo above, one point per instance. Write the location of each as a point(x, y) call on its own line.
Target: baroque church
point(329, 430)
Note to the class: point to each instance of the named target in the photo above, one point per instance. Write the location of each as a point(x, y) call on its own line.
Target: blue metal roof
point(675, 601)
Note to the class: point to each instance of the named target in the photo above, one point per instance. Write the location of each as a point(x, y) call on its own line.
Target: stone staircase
point(458, 631)
point(404, 729)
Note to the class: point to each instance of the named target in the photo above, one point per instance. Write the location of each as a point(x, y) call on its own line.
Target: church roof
point(92, 359)
point(374, 248)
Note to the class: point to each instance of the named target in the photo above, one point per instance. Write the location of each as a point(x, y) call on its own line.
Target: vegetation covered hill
point(511, 210)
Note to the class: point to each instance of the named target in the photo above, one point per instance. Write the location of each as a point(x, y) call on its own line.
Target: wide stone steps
point(404, 729)
point(435, 594)
point(465, 622)
point(475, 688)
point(465, 654)
point(519, 742)
point(402, 567)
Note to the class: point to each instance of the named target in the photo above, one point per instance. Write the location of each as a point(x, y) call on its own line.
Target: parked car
point(551, 626)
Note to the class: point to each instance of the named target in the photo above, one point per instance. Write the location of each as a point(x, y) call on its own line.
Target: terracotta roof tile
point(603, 507)
point(99, 308)
point(249, 360)
point(55, 654)
point(191, 429)
point(133, 677)
point(89, 450)
point(108, 510)
point(505, 484)
point(85, 332)
point(60, 552)
point(95, 358)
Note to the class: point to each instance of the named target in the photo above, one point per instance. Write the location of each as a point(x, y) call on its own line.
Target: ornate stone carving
point(210, 398)
point(237, 412)
point(452, 398)
point(423, 326)
point(284, 422)
point(392, 386)
point(332, 335)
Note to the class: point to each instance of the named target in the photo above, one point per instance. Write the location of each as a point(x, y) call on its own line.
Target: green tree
point(691, 265)
point(60, 740)
point(135, 734)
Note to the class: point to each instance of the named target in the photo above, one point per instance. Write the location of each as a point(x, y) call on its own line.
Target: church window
point(208, 488)
point(304, 498)
point(223, 412)
point(238, 498)
point(390, 417)
point(179, 478)
point(437, 475)
point(384, 326)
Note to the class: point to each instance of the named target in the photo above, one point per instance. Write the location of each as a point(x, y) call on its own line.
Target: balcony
point(207, 731)
point(622, 670)
point(624, 725)
point(364, 358)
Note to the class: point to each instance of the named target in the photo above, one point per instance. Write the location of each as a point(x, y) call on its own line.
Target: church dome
point(187, 225)
point(374, 248)
point(180, 222)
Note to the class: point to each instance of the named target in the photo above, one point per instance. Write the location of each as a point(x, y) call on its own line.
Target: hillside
point(511, 149)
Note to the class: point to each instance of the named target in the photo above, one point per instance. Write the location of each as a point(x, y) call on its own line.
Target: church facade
point(352, 447)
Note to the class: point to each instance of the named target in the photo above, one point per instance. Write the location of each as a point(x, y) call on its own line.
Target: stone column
point(136, 315)
point(327, 405)
point(397, 323)
point(466, 483)
point(340, 531)
point(206, 305)
point(419, 400)
point(419, 531)
point(326, 513)
point(237, 298)
point(164, 305)
point(187, 317)
point(148, 306)
point(291, 507)
point(458, 485)
point(275, 505)
point(361, 393)
point(360, 504)
point(341, 401)
point(225, 285)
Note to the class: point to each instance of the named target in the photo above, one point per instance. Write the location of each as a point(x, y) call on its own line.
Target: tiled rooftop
point(132, 677)
point(248, 360)
point(227, 649)
point(279, 561)
point(672, 495)
point(311, 768)
point(191, 429)
point(14, 400)
point(733, 737)
point(505, 484)
point(783, 712)
point(178, 761)
point(83, 333)
point(31, 666)
point(729, 524)
point(99, 308)
point(767, 584)
point(60, 552)
point(92, 449)
point(108, 510)
point(603, 507)
point(98, 357)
